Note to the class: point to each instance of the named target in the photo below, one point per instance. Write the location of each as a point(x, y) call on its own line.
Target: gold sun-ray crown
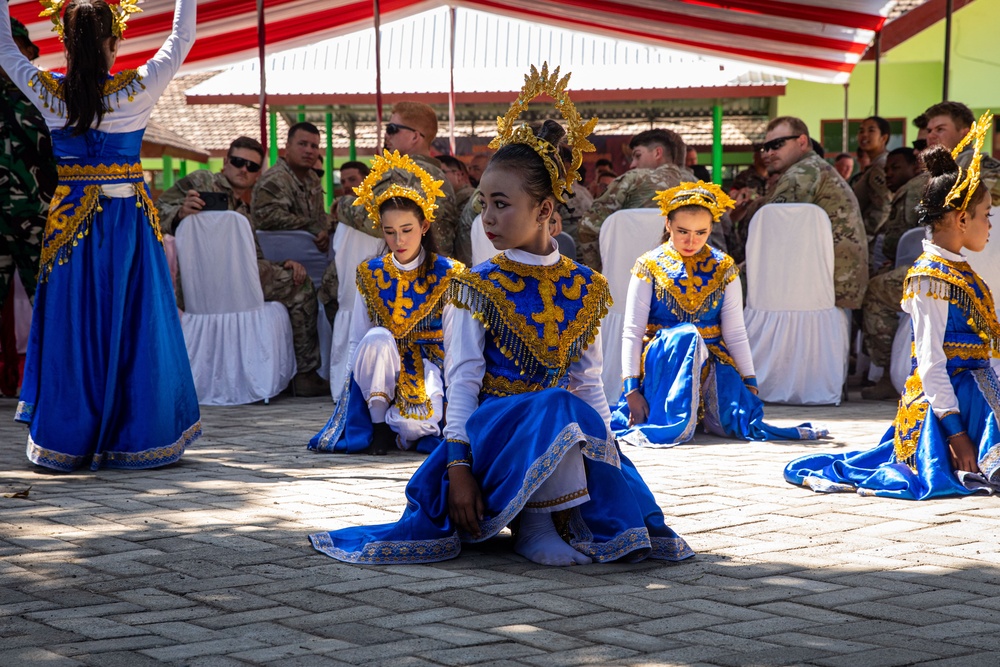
point(968, 179)
point(382, 165)
point(53, 10)
point(708, 195)
point(509, 131)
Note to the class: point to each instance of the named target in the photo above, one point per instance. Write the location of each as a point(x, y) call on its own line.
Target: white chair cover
point(625, 235)
point(350, 248)
point(902, 344)
point(22, 315)
point(798, 338)
point(240, 347)
point(910, 245)
point(987, 262)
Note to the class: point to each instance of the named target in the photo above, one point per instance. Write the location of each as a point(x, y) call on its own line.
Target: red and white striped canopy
point(814, 39)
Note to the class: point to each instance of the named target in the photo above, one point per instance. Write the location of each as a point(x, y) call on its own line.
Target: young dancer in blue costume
point(107, 380)
point(527, 422)
point(395, 387)
point(945, 440)
point(685, 354)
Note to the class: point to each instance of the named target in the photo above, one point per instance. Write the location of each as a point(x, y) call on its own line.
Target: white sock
point(538, 541)
point(377, 407)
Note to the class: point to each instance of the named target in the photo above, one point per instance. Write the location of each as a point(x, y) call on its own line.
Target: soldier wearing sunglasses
point(285, 282)
point(805, 177)
point(411, 129)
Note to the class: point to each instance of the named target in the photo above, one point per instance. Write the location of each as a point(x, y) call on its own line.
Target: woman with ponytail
point(107, 381)
point(945, 440)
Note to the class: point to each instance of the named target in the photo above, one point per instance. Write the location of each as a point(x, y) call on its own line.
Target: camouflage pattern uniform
point(452, 241)
point(463, 235)
point(749, 178)
point(633, 189)
point(812, 180)
point(873, 196)
point(275, 280)
point(989, 171)
point(27, 180)
point(880, 310)
point(283, 202)
point(574, 210)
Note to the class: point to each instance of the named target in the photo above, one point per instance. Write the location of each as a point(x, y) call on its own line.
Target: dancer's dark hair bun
point(938, 161)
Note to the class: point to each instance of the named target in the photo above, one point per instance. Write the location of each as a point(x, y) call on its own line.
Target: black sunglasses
point(775, 144)
point(239, 163)
point(394, 128)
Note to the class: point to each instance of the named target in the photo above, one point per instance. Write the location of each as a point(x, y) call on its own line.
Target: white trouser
point(566, 487)
point(376, 370)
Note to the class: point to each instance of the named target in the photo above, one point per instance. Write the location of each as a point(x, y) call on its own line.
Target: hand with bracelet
point(962, 453)
point(465, 500)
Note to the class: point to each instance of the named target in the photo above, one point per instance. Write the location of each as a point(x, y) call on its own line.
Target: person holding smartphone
point(285, 282)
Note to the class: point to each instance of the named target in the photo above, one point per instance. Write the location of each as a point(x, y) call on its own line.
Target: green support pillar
point(302, 114)
point(183, 171)
point(717, 143)
point(353, 150)
point(272, 141)
point(328, 161)
point(168, 172)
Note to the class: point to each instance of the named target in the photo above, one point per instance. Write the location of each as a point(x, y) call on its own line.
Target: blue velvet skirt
point(107, 381)
point(682, 385)
point(349, 429)
point(876, 472)
point(517, 442)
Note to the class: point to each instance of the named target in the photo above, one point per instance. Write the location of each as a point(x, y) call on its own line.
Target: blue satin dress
point(912, 461)
point(539, 320)
point(408, 304)
point(681, 384)
point(107, 381)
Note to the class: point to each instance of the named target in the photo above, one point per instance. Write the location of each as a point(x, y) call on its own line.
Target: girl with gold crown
point(527, 430)
point(685, 353)
point(395, 391)
point(107, 380)
point(945, 440)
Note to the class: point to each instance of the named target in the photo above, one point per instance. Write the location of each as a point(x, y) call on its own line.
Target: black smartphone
point(214, 201)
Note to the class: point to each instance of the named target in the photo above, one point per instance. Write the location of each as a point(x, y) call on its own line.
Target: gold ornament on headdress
point(119, 15)
point(707, 195)
point(969, 179)
point(385, 163)
point(508, 132)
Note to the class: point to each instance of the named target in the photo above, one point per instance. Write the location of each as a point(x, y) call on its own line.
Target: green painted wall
point(911, 75)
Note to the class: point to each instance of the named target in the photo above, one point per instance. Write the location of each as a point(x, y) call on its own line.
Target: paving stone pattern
point(207, 562)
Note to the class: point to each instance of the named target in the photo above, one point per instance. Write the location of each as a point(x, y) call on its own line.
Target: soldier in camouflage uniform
point(457, 174)
point(656, 156)
point(880, 310)
point(411, 129)
point(874, 197)
point(284, 282)
point(805, 177)
point(27, 178)
point(947, 125)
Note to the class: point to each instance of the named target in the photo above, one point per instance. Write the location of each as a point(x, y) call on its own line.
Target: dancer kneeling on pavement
point(395, 392)
point(945, 440)
point(685, 353)
point(525, 402)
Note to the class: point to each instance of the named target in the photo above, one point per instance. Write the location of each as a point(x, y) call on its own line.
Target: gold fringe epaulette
point(978, 309)
point(520, 341)
point(49, 88)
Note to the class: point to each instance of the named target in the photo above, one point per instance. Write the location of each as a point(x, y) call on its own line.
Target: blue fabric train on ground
point(685, 354)
point(107, 380)
point(945, 439)
point(528, 425)
point(395, 390)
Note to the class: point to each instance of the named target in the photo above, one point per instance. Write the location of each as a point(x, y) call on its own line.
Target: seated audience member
point(870, 187)
point(351, 176)
point(605, 165)
point(881, 309)
point(577, 204)
point(656, 159)
point(751, 182)
point(804, 177)
point(947, 125)
point(600, 184)
point(920, 143)
point(284, 282)
point(290, 195)
point(700, 171)
point(477, 165)
point(844, 164)
point(458, 174)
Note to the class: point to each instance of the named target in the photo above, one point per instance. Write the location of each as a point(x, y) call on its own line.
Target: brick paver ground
point(207, 563)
